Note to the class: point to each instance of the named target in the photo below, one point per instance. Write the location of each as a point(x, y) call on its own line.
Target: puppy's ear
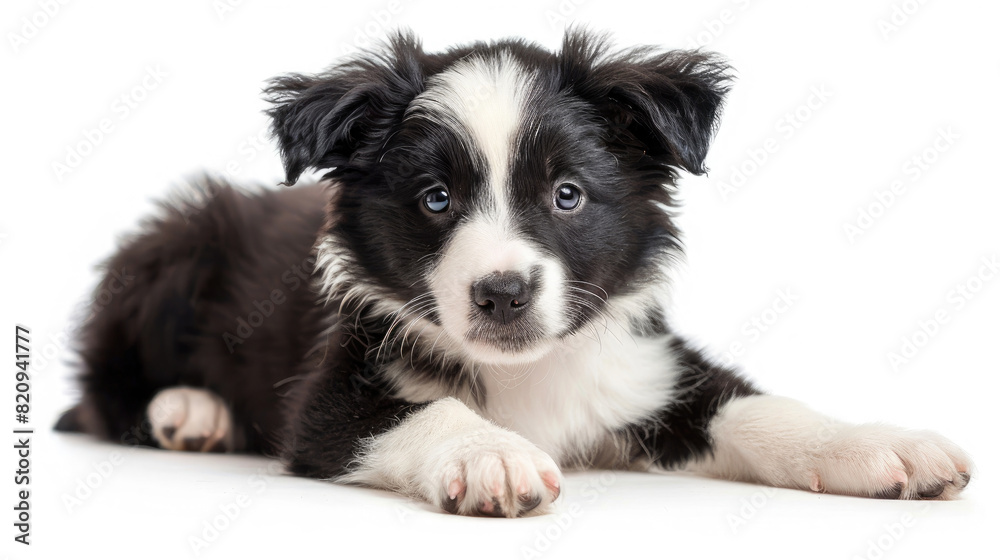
point(664, 105)
point(341, 117)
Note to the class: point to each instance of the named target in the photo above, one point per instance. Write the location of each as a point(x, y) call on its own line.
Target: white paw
point(888, 462)
point(190, 419)
point(493, 472)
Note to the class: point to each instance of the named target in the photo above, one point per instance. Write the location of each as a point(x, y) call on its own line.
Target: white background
point(890, 88)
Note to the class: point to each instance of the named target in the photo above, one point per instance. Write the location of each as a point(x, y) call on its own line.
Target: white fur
point(336, 281)
point(780, 442)
point(484, 100)
point(446, 452)
point(484, 245)
point(577, 396)
point(573, 398)
point(193, 414)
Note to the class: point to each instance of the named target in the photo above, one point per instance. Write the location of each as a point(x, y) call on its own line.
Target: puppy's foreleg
point(452, 457)
point(781, 442)
point(719, 424)
point(441, 451)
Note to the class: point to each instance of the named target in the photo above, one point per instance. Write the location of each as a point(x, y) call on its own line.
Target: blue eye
point(437, 200)
point(568, 196)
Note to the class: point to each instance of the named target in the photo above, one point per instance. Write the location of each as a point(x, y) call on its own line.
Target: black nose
point(501, 296)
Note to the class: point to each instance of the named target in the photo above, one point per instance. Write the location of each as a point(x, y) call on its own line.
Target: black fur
point(192, 274)
point(679, 433)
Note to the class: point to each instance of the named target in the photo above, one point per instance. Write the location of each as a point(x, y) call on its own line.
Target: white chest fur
point(577, 394)
point(594, 383)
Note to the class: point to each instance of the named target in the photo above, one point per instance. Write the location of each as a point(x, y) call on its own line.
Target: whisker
point(606, 296)
point(398, 316)
point(421, 311)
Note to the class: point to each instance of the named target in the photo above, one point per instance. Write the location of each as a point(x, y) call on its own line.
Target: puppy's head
point(503, 194)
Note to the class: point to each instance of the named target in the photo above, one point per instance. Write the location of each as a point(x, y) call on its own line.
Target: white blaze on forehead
point(483, 100)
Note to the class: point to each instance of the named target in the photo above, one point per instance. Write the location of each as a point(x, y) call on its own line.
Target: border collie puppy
point(471, 300)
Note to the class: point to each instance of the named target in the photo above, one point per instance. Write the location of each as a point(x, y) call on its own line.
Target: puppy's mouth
point(515, 338)
point(502, 347)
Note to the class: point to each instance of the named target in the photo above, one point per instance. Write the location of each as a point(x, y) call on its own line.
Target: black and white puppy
point(470, 301)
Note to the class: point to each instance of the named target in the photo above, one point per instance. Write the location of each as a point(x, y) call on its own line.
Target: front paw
point(887, 462)
point(492, 472)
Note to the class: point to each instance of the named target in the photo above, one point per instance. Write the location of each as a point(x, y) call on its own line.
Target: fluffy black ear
point(342, 116)
point(664, 105)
